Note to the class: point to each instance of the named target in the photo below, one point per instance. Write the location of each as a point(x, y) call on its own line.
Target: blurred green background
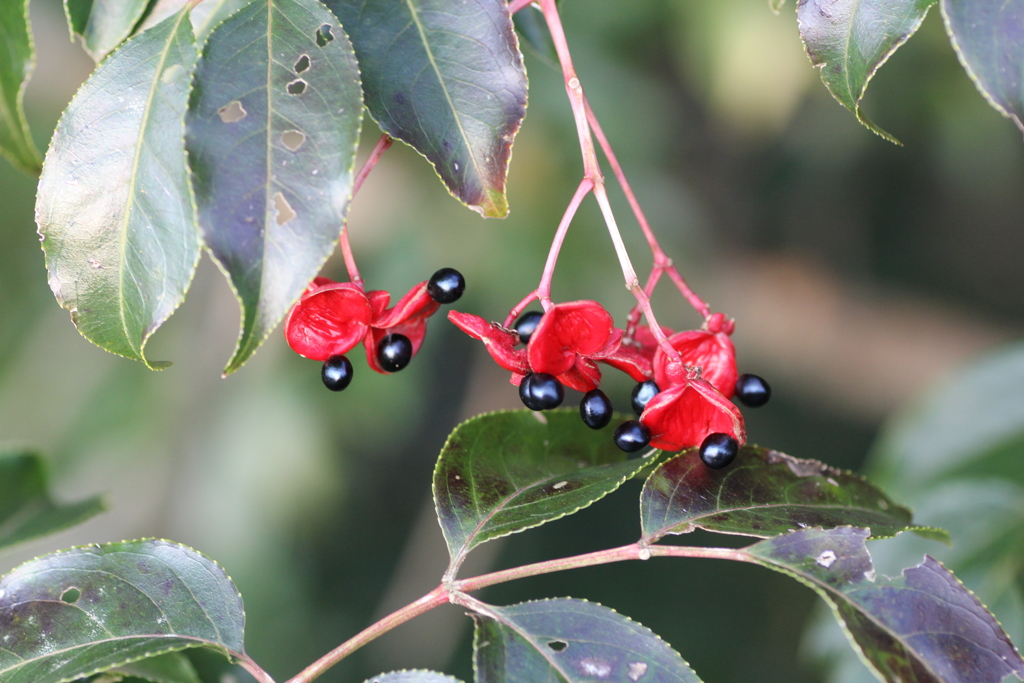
point(858, 272)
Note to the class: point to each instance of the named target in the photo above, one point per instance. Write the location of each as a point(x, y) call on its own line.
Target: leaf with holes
point(172, 667)
point(764, 493)
point(448, 79)
point(15, 69)
point(505, 472)
point(570, 640)
point(103, 24)
point(26, 510)
point(850, 39)
point(988, 36)
point(414, 676)
point(114, 207)
point(922, 626)
point(86, 610)
point(273, 125)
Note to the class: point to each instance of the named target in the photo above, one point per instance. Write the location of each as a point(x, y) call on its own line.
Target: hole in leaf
point(283, 211)
point(232, 113)
point(324, 35)
point(558, 645)
point(293, 139)
point(302, 64)
point(71, 595)
point(297, 87)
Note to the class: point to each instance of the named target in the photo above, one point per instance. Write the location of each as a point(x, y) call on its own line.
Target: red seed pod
point(500, 343)
point(329, 320)
point(568, 330)
point(683, 416)
point(712, 352)
point(408, 317)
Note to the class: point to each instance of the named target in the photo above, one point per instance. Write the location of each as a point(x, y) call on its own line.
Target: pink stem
point(544, 288)
point(514, 313)
point(378, 150)
point(661, 261)
point(516, 5)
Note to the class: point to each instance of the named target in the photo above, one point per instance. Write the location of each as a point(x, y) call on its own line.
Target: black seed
point(446, 286)
point(336, 373)
point(541, 391)
point(642, 394)
point(526, 324)
point(394, 352)
point(632, 436)
point(752, 390)
point(718, 450)
point(596, 409)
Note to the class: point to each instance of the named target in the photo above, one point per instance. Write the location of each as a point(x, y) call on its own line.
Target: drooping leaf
point(86, 610)
point(988, 36)
point(923, 626)
point(850, 39)
point(570, 641)
point(15, 70)
point(26, 509)
point(413, 676)
point(205, 16)
point(505, 472)
point(103, 24)
point(114, 206)
point(448, 79)
point(273, 125)
point(762, 493)
point(172, 667)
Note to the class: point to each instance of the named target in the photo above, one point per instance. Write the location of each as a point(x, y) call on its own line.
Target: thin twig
point(378, 150)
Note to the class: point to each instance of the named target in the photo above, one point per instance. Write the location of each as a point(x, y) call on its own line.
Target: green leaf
point(103, 24)
point(172, 667)
point(15, 70)
point(776, 5)
point(988, 36)
point(505, 472)
point(762, 493)
point(530, 24)
point(448, 79)
point(414, 676)
point(273, 125)
point(571, 641)
point(114, 206)
point(922, 626)
point(86, 610)
point(850, 39)
point(205, 16)
point(26, 510)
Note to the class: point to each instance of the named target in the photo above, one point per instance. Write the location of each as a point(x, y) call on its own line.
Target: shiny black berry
point(752, 390)
point(596, 409)
point(526, 324)
point(718, 450)
point(541, 391)
point(446, 286)
point(394, 352)
point(632, 436)
point(642, 393)
point(337, 373)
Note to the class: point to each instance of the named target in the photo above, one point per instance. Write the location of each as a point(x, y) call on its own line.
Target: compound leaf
point(82, 611)
point(988, 36)
point(114, 206)
point(505, 472)
point(413, 676)
point(15, 69)
point(273, 125)
point(850, 39)
point(448, 79)
point(570, 641)
point(923, 626)
point(26, 509)
point(763, 493)
point(103, 24)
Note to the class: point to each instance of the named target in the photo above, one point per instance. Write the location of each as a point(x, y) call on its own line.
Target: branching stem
point(455, 592)
point(346, 249)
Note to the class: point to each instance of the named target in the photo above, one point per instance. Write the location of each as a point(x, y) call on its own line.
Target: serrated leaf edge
point(373, 679)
